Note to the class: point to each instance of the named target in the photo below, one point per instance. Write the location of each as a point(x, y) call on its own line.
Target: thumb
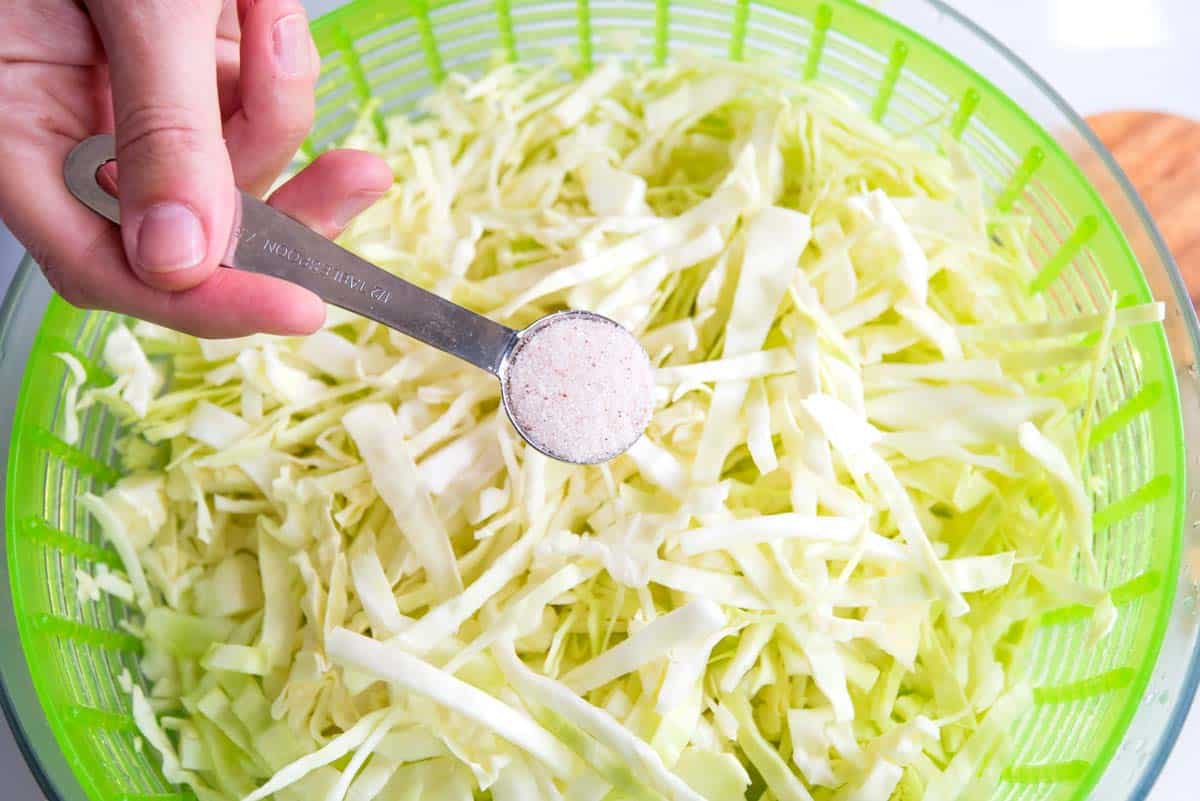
point(176, 184)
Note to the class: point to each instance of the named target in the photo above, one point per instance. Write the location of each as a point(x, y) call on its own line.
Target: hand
point(201, 96)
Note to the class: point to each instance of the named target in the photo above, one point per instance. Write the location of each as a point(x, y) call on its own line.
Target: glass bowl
point(1106, 718)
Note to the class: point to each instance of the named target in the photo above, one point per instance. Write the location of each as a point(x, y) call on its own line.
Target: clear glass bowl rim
point(27, 272)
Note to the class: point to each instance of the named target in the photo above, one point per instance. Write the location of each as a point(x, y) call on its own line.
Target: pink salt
point(580, 388)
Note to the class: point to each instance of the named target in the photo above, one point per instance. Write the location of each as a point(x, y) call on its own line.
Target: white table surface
point(1101, 55)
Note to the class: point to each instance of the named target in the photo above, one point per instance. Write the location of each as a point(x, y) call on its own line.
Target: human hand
point(202, 95)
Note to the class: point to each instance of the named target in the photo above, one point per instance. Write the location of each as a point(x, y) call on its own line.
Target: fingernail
point(353, 206)
point(170, 238)
point(292, 43)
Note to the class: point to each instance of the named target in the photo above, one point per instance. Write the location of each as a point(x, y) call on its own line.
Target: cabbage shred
point(813, 578)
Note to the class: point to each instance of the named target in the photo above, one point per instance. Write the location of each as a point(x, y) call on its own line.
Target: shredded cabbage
point(811, 579)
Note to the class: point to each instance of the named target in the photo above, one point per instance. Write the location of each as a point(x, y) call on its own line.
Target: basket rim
point(27, 273)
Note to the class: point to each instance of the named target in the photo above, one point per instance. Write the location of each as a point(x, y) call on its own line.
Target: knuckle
point(141, 10)
point(63, 273)
point(294, 127)
point(158, 127)
point(64, 283)
point(294, 135)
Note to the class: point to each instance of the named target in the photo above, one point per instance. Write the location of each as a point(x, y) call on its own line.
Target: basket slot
point(337, 104)
point(467, 56)
point(851, 72)
point(468, 39)
point(393, 74)
point(1044, 205)
point(1066, 253)
point(334, 76)
point(333, 89)
point(1106, 682)
point(778, 40)
point(404, 98)
point(994, 162)
point(618, 29)
point(705, 27)
point(546, 27)
point(335, 129)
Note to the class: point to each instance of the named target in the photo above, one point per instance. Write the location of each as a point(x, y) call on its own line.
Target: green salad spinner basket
point(1105, 718)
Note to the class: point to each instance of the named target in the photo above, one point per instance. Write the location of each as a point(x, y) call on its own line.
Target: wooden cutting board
point(1161, 155)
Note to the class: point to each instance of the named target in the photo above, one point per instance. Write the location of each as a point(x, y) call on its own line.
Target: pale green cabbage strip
point(813, 578)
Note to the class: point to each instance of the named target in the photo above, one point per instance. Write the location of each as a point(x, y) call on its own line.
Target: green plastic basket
point(83, 743)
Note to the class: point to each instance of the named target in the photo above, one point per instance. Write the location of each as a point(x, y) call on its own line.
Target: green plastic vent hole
point(336, 128)
point(429, 45)
point(326, 88)
point(662, 30)
point(821, 23)
point(737, 43)
point(1050, 772)
point(72, 456)
point(1065, 255)
point(1020, 177)
point(508, 39)
point(42, 533)
point(1146, 398)
point(1102, 683)
point(61, 628)
point(887, 85)
point(1153, 490)
point(962, 114)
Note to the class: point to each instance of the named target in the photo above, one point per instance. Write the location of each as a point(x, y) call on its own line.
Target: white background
point(1101, 55)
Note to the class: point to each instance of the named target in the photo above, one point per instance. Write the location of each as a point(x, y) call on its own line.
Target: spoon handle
point(269, 242)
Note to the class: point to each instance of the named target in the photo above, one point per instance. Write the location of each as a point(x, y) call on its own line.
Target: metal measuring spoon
point(577, 361)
